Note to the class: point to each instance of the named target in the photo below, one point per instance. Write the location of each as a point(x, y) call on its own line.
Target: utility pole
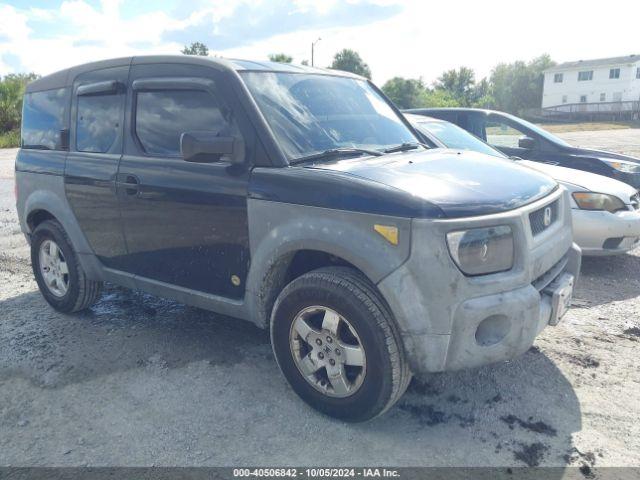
point(313, 44)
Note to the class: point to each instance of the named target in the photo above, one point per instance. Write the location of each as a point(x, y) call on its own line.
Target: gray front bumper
point(438, 309)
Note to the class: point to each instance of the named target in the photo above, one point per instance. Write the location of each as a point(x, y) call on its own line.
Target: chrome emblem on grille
point(547, 217)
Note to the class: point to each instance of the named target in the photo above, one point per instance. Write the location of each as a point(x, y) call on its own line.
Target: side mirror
point(208, 147)
point(527, 143)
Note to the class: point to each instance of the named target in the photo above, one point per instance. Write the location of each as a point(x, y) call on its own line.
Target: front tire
point(337, 345)
point(60, 277)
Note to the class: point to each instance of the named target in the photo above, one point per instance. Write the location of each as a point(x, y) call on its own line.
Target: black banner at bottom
point(305, 473)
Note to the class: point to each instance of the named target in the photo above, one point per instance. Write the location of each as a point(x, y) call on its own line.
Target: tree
point(11, 92)
point(196, 48)
point(439, 98)
point(517, 86)
point(459, 83)
point(405, 92)
point(483, 95)
point(350, 61)
point(280, 58)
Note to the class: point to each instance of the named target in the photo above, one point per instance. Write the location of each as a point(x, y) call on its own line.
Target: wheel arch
point(285, 268)
point(46, 200)
point(291, 239)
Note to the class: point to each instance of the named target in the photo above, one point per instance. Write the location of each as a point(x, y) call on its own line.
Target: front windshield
point(310, 113)
point(540, 131)
point(455, 137)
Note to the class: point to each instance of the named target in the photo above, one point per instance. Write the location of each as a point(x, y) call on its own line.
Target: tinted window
point(43, 116)
point(311, 113)
point(162, 116)
point(99, 123)
point(500, 134)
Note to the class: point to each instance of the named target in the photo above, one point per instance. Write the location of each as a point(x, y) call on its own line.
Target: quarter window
point(585, 76)
point(558, 77)
point(43, 118)
point(99, 123)
point(614, 73)
point(162, 117)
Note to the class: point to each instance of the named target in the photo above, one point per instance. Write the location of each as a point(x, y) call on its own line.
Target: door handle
point(131, 183)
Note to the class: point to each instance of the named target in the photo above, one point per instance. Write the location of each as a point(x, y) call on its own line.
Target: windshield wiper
point(403, 147)
point(336, 152)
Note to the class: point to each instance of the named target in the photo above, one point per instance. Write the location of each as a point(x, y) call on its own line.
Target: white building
point(592, 82)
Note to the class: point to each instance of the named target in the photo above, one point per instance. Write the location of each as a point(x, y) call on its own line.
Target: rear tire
point(337, 308)
point(60, 277)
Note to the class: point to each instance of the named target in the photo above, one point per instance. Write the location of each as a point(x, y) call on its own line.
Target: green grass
point(10, 139)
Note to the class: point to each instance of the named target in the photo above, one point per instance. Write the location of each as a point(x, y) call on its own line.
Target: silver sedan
point(605, 212)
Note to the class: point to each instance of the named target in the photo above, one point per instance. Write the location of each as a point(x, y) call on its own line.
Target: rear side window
point(162, 116)
point(43, 118)
point(99, 122)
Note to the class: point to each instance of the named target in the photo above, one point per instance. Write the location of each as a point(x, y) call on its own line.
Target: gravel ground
point(142, 381)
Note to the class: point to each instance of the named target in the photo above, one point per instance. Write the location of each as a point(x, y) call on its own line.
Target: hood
point(592, 182)
point(601, 154)
point(460, 183)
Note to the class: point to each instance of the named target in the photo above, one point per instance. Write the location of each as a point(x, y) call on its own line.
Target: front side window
point(557, 78)
point(310, 113)
point(603, 97)
point(500, 134)
point(614, 73)
point(583, 99)
point(585, 76)
point(163, 116)
point(43, 118)
point(457, 138)
point(99, 123)
point(564, 99)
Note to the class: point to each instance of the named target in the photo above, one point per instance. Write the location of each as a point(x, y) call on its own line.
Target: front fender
point(278, 230)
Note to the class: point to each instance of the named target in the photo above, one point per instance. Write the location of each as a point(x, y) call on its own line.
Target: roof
point(427, 110)
point(596, 62)
point(65, 77)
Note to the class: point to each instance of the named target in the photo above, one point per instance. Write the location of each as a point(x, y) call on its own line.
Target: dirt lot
point(143, 381)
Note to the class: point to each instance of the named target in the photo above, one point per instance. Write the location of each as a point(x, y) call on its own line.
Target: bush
point(10, 139)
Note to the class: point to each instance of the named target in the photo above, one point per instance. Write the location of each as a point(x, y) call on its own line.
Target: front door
point(185, 223)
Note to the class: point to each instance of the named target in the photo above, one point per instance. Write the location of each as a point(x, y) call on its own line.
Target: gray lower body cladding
point(450, 321)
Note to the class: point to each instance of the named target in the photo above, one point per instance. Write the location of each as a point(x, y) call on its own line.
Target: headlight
point(598, 201)
point(623, 165)
point(482, 250)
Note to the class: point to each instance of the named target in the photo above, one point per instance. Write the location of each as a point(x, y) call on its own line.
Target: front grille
point(635, 201)
point(543, 218)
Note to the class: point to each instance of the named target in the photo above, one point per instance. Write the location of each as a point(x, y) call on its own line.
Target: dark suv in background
point(517, 137)
point(298, 199)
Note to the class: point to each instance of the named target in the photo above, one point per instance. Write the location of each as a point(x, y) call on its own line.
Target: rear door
point(96, 133)
point(185, 223)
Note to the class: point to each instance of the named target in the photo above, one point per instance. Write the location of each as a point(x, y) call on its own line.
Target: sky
point(410, 38)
